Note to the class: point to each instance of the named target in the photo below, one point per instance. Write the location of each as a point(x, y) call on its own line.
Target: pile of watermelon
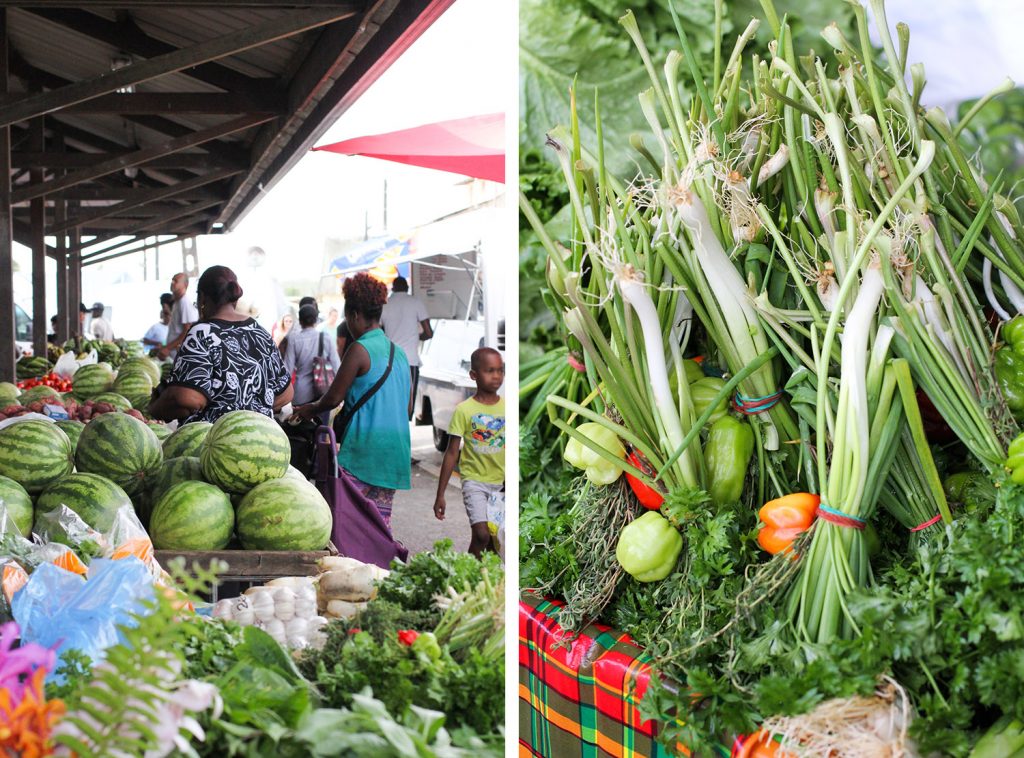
point(204, 487)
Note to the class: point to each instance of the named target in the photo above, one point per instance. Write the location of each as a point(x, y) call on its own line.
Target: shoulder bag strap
point(320, 346)
point(345, 417)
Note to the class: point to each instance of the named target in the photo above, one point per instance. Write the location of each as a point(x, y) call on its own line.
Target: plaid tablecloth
point(577, 698)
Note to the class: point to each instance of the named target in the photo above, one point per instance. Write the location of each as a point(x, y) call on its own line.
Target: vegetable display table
point(251, 566)
point(578, 696)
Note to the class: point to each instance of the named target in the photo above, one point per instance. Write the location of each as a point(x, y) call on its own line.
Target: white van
point(464, 295)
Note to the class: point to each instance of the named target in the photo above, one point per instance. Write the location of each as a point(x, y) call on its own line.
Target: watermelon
point(121, 448)
point(18, 504)
point(118, 401)
point(93, 497)
point(133, 383)
point(187, 440)
point(141, 404)
point(35, 453)
point(8, 393)
point(93, 379)
point(294, 473)
point(39, 392)
point(73, 429)
point(283, 514)
point(161, 430)
point(147, 365)
point(243, 449)
point(192, 516)
point(172, 472)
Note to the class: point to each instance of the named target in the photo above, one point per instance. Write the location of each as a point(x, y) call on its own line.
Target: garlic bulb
point(262, 606)
point(241, 611)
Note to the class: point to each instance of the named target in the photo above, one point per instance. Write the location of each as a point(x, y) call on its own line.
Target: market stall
point(774, 438)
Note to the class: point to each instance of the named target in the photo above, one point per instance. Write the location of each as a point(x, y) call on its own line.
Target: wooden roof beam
point(160, 221)
point(41, 79)
point(126, 247)
point(220, 47)
point(89, 160)
point(114, 194)
point(145, 197)
point(125, 34)
point(150, 103)
point(251, 4)
point(139, 157)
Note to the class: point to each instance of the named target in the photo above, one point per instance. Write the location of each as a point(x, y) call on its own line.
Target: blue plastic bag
point(63, 610)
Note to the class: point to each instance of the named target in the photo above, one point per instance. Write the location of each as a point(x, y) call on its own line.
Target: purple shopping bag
point(359, 530)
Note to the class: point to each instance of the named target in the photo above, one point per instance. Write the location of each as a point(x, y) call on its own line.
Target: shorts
point(476, 496)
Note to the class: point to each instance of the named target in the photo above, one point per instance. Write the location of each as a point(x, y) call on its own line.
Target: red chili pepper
point(407, 636)
point(649, 497)
point(354, 630)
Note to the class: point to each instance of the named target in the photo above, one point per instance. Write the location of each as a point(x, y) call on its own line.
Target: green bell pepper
point(649, 547)
point(971, 488)
point(1009, 365)
point(691, 370)
point(599, 470)
point(1015, 459)
point(727, 455)
point(703, 393)
point(427, 645)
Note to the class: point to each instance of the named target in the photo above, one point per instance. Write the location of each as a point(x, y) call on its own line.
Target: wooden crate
point(250, 566)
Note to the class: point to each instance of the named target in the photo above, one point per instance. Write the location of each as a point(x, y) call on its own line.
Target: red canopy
point(473, 146)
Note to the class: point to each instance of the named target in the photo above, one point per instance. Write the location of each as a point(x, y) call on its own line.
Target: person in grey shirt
point(303, 346)
point(183, 315)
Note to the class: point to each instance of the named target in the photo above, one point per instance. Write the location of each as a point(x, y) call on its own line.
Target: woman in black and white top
point(303, 346)
point(227, 361)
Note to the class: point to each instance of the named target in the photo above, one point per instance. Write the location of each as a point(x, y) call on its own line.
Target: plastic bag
point(126, 537)
point(496, 521)
point(63, 610)
point(68, 364)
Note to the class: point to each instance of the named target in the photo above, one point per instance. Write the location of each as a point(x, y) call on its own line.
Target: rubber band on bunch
point(930, 522)
point(753, 405)
point(839, 518)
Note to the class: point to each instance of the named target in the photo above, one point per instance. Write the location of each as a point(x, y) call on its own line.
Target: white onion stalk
point(934, 317)
point(824, 205)
point(723, 278)
point(774, 165)
point(634, 292)
point(853, 397)
point(739, 315)
point(990, 294)
point(1013, 292)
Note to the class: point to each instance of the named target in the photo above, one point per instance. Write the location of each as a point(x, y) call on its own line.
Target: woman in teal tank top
point(376, 448)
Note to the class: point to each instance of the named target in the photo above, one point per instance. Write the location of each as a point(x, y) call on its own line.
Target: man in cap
point(99, 327)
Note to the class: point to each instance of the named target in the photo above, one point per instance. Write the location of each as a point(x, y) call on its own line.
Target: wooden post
point(8, 356)
point(63, 294)
point(37, 216)
point(74, 280)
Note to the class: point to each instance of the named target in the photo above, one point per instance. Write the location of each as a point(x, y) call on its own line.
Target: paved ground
point(412, 520)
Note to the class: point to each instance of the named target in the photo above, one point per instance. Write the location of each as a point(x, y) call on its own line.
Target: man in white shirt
point(99, 327)
point(183, 315)
point(405, 323)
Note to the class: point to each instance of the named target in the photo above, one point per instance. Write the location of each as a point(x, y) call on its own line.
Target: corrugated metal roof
point(313, 74)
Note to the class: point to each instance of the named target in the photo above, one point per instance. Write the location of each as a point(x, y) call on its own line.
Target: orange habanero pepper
point(785, 519)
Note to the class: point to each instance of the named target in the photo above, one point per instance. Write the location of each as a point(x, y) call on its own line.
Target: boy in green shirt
point(481, 421)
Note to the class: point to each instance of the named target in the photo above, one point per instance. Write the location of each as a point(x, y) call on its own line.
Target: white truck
point(463, 289)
